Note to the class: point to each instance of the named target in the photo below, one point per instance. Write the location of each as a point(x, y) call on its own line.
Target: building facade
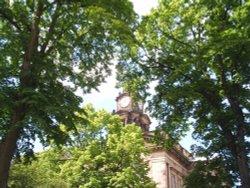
point(168, 168)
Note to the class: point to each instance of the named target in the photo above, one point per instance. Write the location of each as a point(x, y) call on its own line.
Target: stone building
point(168, 168)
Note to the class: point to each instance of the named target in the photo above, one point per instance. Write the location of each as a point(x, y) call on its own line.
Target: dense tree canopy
point(209, 173)
point(198, 53)
point(48, 49)
point(104, 153)
point(42, 171)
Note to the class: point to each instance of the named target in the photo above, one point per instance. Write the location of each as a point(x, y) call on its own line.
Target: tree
point(197, 53)
point(209, 173)
point(104, 153)
point(48, 49)
point(109, 155)
point(41, 171)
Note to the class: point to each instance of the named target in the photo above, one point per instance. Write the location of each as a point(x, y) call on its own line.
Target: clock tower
point(131, 111)
point(168, 167)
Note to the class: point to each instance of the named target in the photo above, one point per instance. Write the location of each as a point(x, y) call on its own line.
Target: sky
point(143, 7)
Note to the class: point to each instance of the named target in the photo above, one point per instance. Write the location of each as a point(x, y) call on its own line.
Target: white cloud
point(143, 7)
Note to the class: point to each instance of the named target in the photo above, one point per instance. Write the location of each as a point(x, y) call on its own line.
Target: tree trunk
point(239, 151)
point(7, 149)
point(8, 145)
point(242, 162)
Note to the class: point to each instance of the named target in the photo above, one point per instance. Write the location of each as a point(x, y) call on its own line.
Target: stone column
point(159, 171)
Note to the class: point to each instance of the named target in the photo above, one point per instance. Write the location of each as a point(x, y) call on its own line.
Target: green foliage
point(209, 174)
point(41, 172)
point(198, 54)
point(104, 153)
point(48, 49)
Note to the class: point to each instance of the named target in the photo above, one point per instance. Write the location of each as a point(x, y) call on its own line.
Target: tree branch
point(233, 101)
point(33, 36)
point(24, 81)
point(9, 19)
point(52, 26)
point(226, 132)
point(175, 39)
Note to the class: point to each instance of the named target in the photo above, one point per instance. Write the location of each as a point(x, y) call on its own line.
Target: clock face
point(124, 102)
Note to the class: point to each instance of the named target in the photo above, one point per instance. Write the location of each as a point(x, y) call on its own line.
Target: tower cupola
point(131, 111)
